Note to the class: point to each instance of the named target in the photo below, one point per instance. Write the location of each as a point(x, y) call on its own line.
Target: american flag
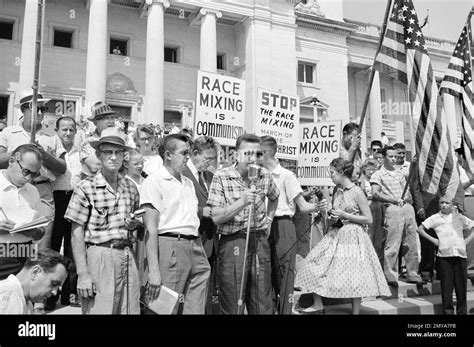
point(457, 84)
point(404, 56)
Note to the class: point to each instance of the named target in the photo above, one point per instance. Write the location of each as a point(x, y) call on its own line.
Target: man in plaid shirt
point(387, 187)
point(230, 198)
point(99, 211)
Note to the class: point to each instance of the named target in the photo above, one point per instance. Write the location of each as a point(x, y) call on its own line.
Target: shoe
point(39, 310)
point(393, 284)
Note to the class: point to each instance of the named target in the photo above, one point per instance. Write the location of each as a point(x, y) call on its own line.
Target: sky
point(446, 17)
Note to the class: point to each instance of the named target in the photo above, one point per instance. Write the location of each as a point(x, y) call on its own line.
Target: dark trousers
point(62, 230)
point(428, 255)
point(453, 273)
point(257, 280)
point(283, 250)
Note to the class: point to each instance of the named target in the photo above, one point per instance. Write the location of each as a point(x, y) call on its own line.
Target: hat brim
point(96, 144)
point(92, 118)
point(26, 102)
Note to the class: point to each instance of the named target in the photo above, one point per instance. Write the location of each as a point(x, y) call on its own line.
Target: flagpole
point(372, 71)
point(34, 103)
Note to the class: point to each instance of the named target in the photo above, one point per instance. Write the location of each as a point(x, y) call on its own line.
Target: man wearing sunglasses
point(176, 257)
point(18, 194)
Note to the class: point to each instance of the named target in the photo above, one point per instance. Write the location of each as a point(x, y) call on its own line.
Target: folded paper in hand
point(165, 303)
point(37, 223)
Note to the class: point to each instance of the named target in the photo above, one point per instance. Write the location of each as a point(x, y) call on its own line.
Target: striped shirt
point(228, 186)
point(101, 210)
point(391, 183)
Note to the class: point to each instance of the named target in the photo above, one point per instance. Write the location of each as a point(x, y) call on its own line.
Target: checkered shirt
point(228, 186)
point(100, 209)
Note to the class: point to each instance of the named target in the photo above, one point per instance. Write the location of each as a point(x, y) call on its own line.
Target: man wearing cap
point(99, 211)
point(51, 148)
point(103, 117)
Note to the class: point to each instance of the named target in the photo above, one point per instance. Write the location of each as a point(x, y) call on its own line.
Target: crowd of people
point(134, 209)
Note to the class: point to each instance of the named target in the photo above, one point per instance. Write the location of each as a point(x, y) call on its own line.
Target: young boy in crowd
point(90, 165)
point(448, 225)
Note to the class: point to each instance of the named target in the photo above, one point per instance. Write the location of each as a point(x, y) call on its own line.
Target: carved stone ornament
point(119, 83)
point(311, 7)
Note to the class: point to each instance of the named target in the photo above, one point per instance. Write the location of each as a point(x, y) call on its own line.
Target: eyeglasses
point(109, 152)
point(186, 153)
point(27, 172)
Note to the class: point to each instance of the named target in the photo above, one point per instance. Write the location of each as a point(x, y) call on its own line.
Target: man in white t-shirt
point(41, 277)
point(283, 233)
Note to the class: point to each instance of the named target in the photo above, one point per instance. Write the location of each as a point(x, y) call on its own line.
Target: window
point(4, 106)
point(62, 38)
point(306, 72)
point(171, 54)
point(221, 61)
point(118, 46)
point(171, 117)
point(6, 30)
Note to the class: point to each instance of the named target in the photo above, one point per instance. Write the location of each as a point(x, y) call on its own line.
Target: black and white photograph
point(205, 168)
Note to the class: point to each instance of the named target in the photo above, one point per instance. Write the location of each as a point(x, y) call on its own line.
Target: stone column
point(208, 57)
point(154, 83)
point(375, 109)
point(96, 71)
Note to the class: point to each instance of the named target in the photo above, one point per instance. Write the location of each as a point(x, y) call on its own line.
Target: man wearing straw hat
point(100, 212)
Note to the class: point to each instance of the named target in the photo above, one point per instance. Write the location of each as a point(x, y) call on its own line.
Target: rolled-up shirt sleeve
point(79, 208)
point(216, 196)
point(151, 194)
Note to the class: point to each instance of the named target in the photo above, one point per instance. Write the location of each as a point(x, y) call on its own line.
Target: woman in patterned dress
point(344, 264)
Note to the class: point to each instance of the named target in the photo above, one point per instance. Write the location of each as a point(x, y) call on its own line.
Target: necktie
point(201, 181)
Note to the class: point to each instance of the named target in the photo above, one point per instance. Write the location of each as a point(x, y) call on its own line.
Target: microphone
point(254, 172)
point(319, 194)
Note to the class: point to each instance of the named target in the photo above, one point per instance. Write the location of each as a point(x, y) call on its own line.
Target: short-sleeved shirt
point(175, 201)
point(12, 298)
point(152, 164)
point(449, 229)
point(14, 136)
point(101, 210)
point(289, 188)
point(391, 182)
point(73, 168)
point(405, 168)
point(228, 186)
point(19, 199)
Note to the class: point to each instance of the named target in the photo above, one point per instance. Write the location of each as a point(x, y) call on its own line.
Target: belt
point(66, 192)
point(179, 236)
point(282, 217)
point(115, 244)
point(252, 231)
point(40, 182)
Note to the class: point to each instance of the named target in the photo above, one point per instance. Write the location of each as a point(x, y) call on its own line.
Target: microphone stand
point(240, 303)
